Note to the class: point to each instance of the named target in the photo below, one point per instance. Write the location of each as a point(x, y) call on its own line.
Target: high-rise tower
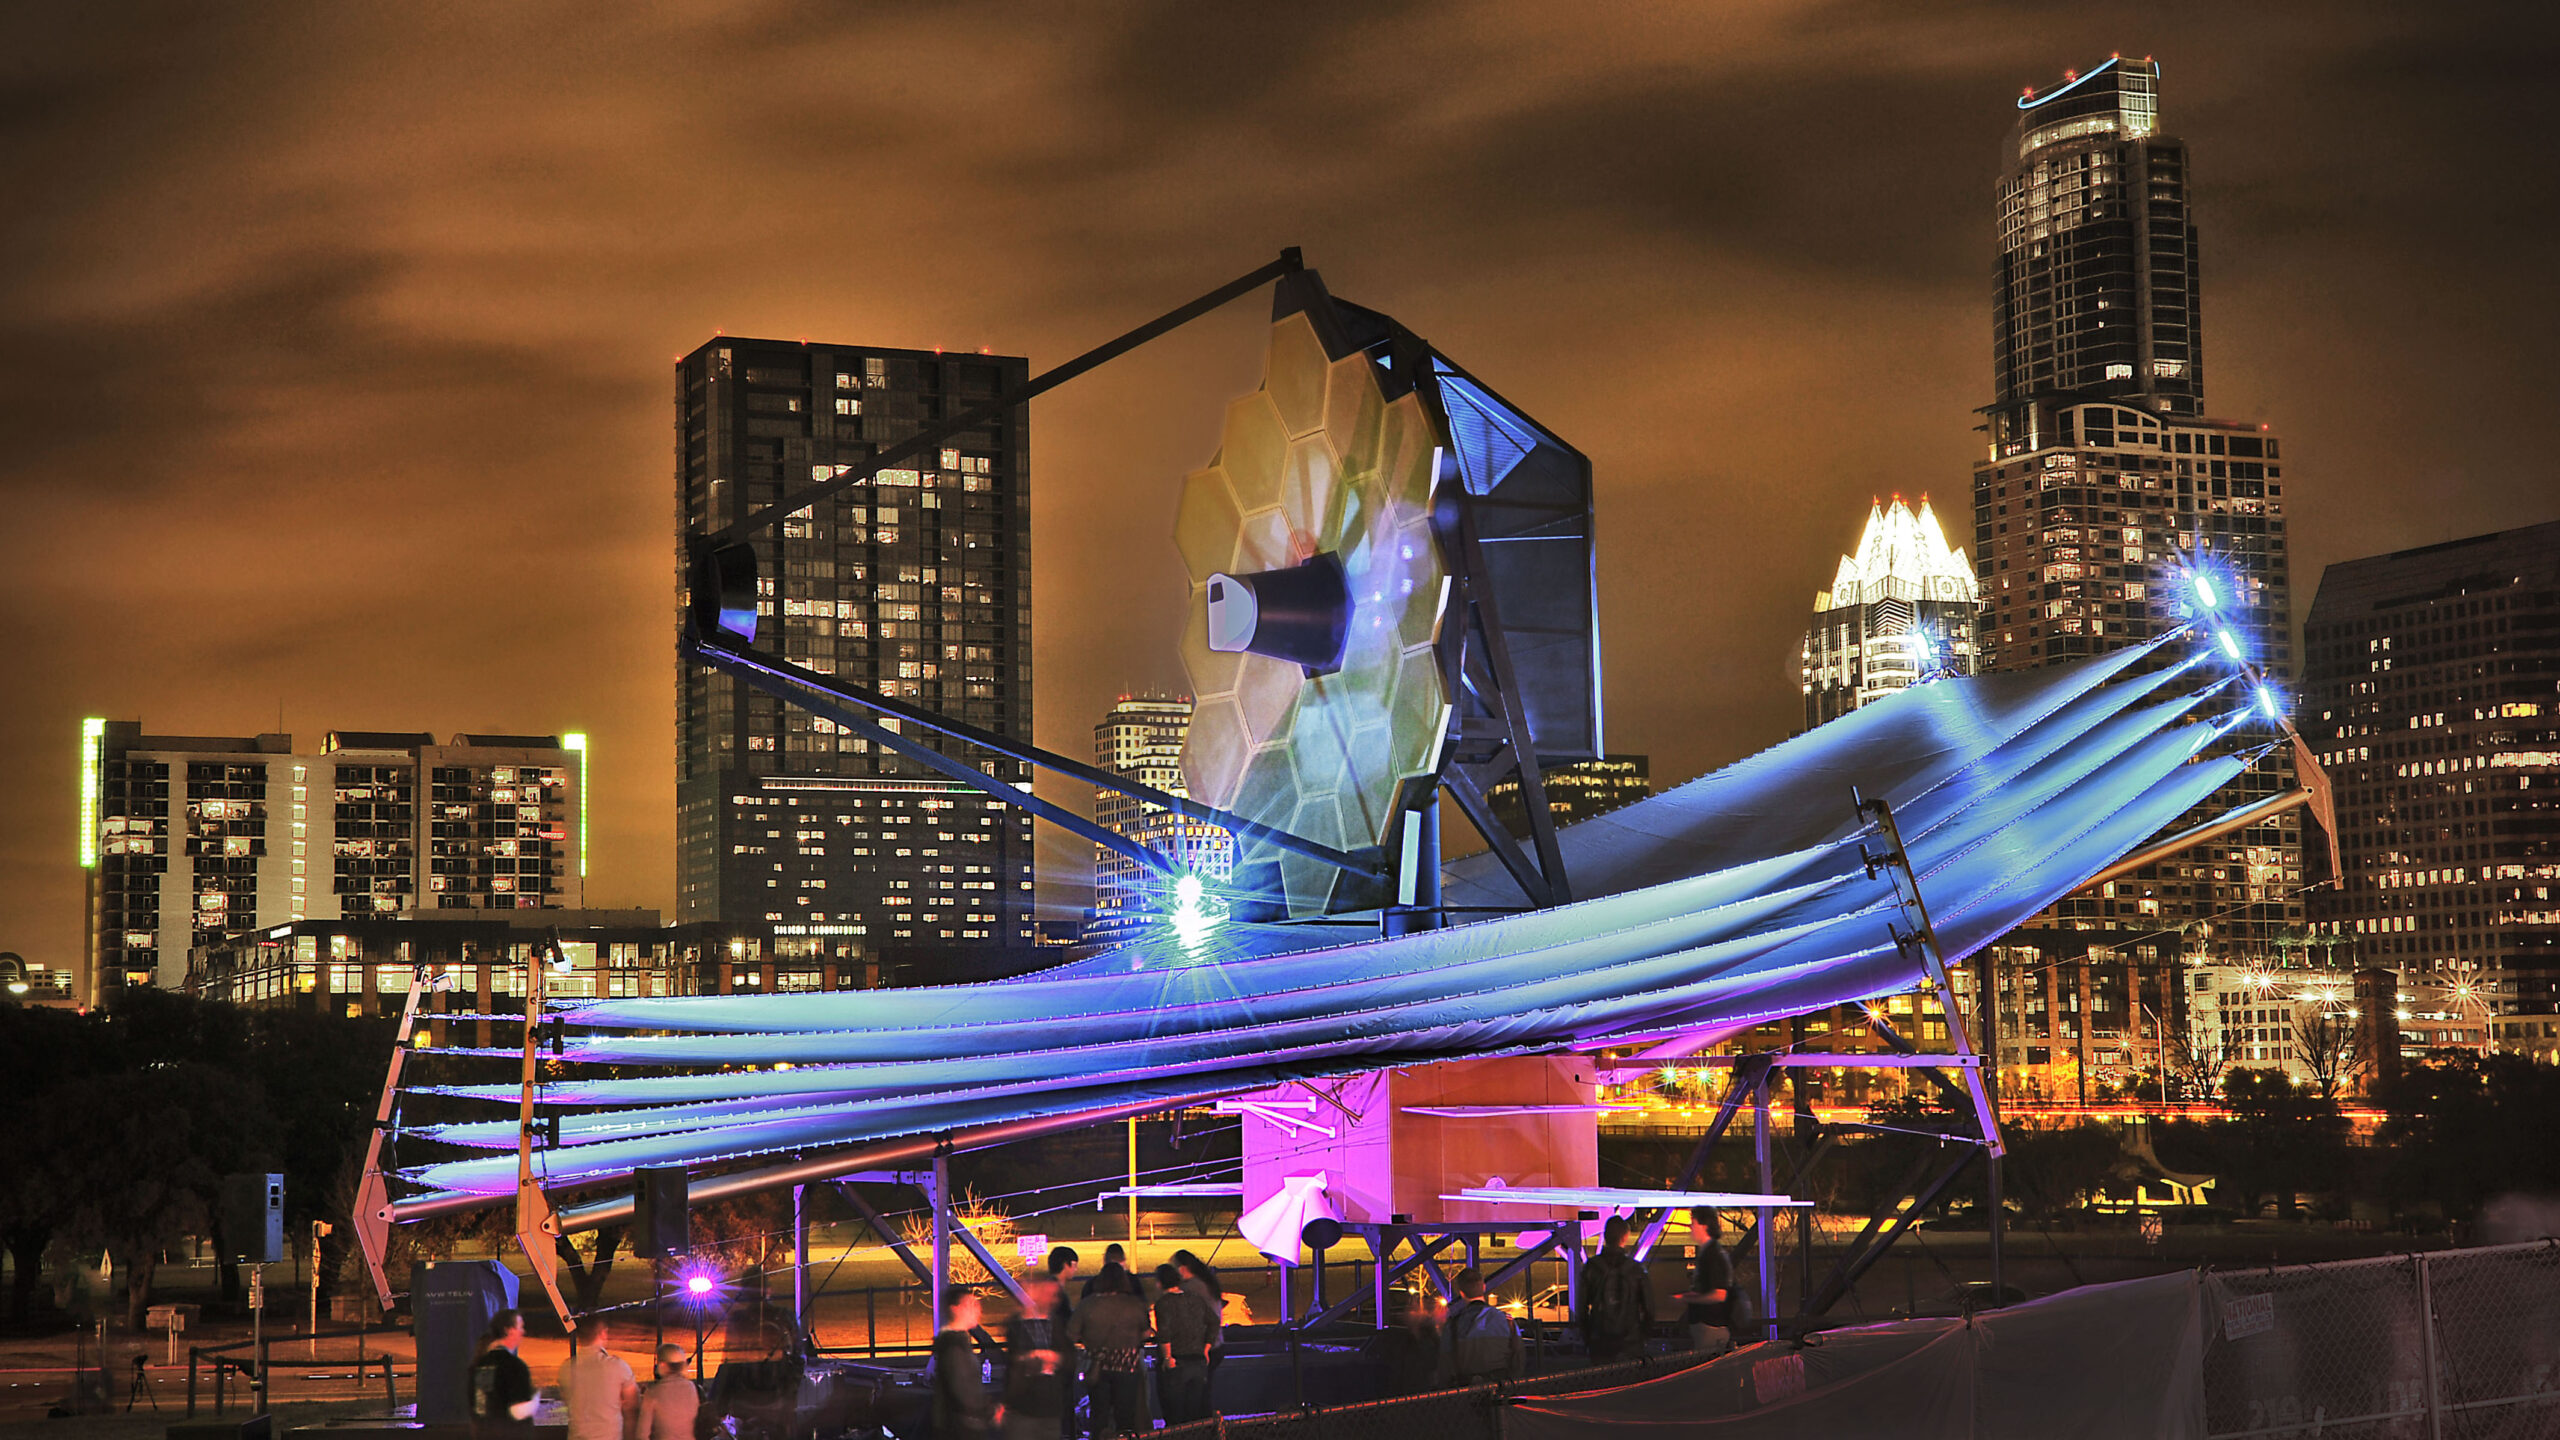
point(2102, 486)
point(1901, 609)
point(2097, 294)
point(917, 585)
point(2431, 694)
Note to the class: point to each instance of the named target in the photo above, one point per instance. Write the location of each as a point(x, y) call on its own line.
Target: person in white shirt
point(595, 1385)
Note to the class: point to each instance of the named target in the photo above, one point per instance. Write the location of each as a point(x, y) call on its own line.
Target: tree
point(137, 1158)
point(2049, 1171)
point(588, 1272)
point(2198, 1056)
point(2283, 1139)
point(42, 1051)
point(2463, 1128)
point(2324, 1035)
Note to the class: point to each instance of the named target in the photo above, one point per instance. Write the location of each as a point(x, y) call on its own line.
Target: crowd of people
point(604, 1400)
point(1097, 1347)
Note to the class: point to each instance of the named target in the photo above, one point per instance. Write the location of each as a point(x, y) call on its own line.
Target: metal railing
point(221, 1362)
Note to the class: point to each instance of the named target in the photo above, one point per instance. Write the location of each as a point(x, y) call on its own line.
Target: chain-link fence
point(2460, 1344)
point(1474, 1413)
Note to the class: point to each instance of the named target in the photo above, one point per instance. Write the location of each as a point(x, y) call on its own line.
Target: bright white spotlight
point(2267, 702)
point(2230, 643)
point(2204, 592)
point(1194, 915)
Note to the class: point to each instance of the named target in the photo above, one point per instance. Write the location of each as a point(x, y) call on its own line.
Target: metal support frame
point(828, 696)
point(936, 1275)
point(830, 1165)
point(932, 1184)
point(372, 1217)
point(1749, 1073)
point(940, 1199)
point(1764, 1253)
point(800, 1260)
point(1423, 1244)
point(1921, 942)
point(1883, 1228)
point(879, 1223)
point(930, 439)
point(537, 1227)
point(1928, 1180)
point(2256, 812)
point(1486, 707)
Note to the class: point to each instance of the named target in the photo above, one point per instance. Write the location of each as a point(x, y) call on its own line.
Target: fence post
point(2427, 1350)
point(390, 1392)
point(191, 1382)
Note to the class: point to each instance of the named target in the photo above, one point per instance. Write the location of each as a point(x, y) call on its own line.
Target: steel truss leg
point(1389, 1269)
point(1871, 1246)
point(1747, 1075)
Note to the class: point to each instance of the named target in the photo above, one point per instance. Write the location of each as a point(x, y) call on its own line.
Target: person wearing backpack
point(1710, 1292)
point(1616, 1310)
point(1484, 1343)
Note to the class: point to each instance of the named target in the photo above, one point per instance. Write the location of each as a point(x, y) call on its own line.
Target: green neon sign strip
point(93, 747)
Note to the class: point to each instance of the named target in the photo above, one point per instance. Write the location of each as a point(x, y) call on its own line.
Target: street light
point(700, 1286)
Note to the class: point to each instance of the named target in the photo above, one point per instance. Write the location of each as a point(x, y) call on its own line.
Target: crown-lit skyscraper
point(2100, 487)
point(917, 585)
point(2097, 253)
point(1900, 609)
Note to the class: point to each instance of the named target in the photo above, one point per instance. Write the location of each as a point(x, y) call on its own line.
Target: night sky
point(335, 340)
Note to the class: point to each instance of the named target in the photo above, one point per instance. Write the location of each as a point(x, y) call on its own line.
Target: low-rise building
point(363, 965)
point(191, 841)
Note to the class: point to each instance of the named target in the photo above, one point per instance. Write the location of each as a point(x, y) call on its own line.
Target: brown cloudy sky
point(334, 339)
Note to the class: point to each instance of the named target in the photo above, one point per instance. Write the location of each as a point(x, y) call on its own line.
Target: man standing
point(1413, 1348)
point(1484, 1343)
point(1062, 1269)
point(1616, 1310)
point(1710, 1289)
point(1184, 1333)
point(1112, 1326)
point(602, 1398)
point(1114, 1257)
point(669, 1403)
point(502, 1398)
point(1035, 1390)
point(961, 1406)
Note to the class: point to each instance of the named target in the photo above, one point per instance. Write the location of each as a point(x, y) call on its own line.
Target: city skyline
point(315, 341)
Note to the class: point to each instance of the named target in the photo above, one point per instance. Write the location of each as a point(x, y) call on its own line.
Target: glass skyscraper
point(2097, 254)
point(917, 585)
point(2102, 484)
point(2432, 697)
